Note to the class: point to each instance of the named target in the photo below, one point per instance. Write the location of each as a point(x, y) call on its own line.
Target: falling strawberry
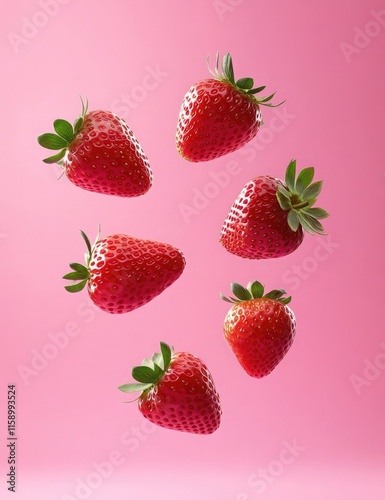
point(177, 392)
point(219, 115)
point(99, 153)
point(123, 273)
point(259, 328)
point(269, 216)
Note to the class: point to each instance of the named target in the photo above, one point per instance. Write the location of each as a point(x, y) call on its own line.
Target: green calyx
point(80, 273)
point(243, 85)
point(298, 198)
point(150, 371)
point(254, 290)
point(65, 134)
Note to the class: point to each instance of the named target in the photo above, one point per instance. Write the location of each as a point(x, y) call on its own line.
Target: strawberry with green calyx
point(99, 153)
point(177, 392)
point(123, 273)
point(219, 115)
point(259, 327)
point(269, 217)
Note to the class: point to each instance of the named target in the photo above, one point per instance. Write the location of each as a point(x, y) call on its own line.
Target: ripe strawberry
point(177, 392)
point(259, 328)
point(100, 153)
point(123, 273)
point(268, 217)
point(219, 115)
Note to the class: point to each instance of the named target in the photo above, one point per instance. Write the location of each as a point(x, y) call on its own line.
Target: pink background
point(70, 416)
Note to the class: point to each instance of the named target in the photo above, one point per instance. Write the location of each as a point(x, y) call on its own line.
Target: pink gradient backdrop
point(70, 415)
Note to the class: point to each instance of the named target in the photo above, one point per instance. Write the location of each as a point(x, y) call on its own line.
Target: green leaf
point(312, 191)
point(256, 289)
point(166, 354)
point(290, 175)
point(148, 362)
point(76, 287)
point(84, 106)
point(78, 267)
point(227, 67)
point(284, 203)
point(87, 241)
point(157, 359)
point(245, 83)
point(304, 179)
point(316, 213)
point(144, 374)
point(311, 203)
point(257, 90)
point(64, 129)
point(309, 222)
point(55, 158)
point(78, 123)
point(305, 225)
point(52, 141)
point(76, 275)
point(134, 387)
point(275, 294)
point(266, 99)
point(283, 191)
point(158, 371)
point(293, 220)
point(240, 292)
point(270, 105)
point(225, 298)
point(286, 300)
point(217, 62)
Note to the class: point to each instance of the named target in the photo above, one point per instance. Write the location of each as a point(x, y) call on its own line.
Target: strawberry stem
point(301, 205)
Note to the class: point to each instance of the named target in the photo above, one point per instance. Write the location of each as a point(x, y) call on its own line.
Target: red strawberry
point(100, 153)
point(259, 328)
point(123, 273)
point(177, 392)
point(268, 217)
point(219, 115)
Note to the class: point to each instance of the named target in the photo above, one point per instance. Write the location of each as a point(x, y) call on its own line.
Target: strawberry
point(219, 115)
point(123, 273)
point(269, 217)
point(100, 153)
point(177, 392)
point(259, 328)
